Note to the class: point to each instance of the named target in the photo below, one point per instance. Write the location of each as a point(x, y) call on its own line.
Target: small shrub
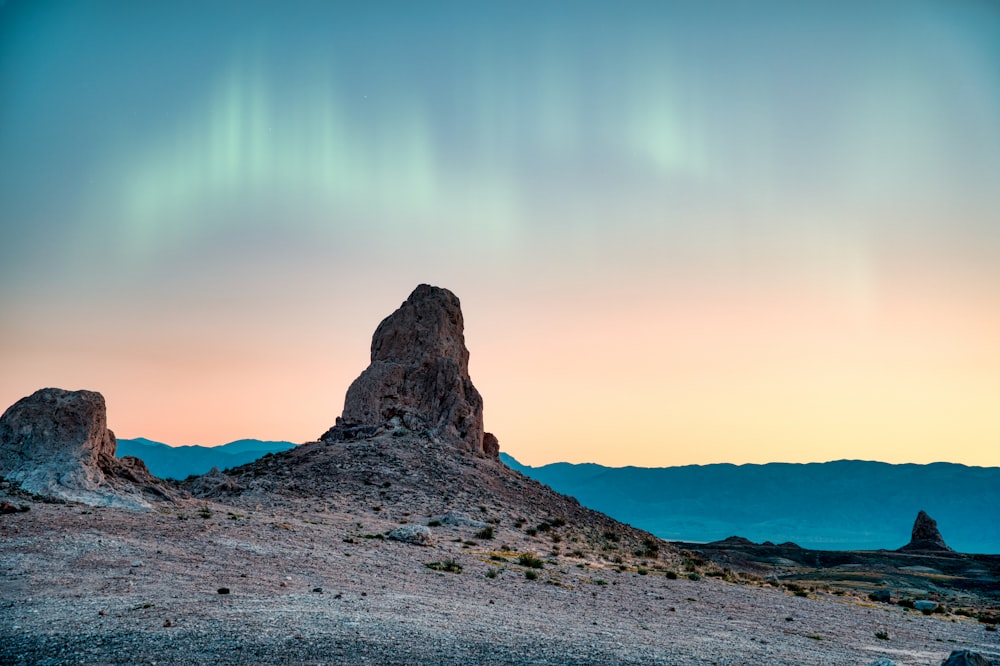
point(650, 548)
point(498, 558)
point(641, 571)
point(449, 565)
point(906, 603)
point(577, 553)
point(672, 575)
point(531, 561)
point(531, 574)
point(557, 522)
point(492, 572)
point(612, 536)
point(543, 527)
point(531, 531)
point(801, 593)
point(434, 523)
point(882, 635)
point(600, 581)
point(204, 512)
point(485, 533)
point(694, 576)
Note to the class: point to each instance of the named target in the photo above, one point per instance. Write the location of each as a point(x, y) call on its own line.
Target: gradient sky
point(687, 232)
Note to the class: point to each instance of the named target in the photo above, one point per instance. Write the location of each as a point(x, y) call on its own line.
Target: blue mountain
point(179, 462)
point(841, 505)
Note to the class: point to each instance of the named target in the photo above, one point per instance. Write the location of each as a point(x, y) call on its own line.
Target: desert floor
point(108, 586)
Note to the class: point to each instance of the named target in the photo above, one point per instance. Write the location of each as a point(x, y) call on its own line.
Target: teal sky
point(777, 195)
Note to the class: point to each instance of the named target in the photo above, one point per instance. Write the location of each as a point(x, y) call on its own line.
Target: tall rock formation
point(418, 378)
point(925, 536)
point(56, 443)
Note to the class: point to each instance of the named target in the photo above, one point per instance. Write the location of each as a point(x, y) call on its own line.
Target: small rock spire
point(925, 536)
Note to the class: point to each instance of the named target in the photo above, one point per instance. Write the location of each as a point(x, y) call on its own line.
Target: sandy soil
point(82, 585)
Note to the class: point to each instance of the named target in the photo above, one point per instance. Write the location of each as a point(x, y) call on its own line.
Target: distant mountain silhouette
point(179, 462)
point(847, 504)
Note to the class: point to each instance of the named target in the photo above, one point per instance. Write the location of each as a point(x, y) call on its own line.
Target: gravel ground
point(107, 586)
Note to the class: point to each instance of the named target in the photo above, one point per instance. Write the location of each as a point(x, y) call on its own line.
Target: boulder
point(968, 658)
point(491, 445)
point(418, 378)
point(56, 443)
point(925, 536)
point(457, 519)
point(415, 534)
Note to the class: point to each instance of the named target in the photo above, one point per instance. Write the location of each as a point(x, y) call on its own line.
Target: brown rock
point(491, 445)
point(56, 443)
point(925, 536)
point(418, 378)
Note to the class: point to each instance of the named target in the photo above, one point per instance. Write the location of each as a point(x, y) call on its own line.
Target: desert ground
point(314, 585)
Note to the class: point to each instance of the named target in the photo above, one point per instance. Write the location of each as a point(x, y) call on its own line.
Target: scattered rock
point(928, 606)
point(968, 658)
point(882, 661)
point(223, 590)
point(415, 534)
point(137, 563)
point(418, 378)
point(7, 507)
point(56, 443)
point(168, 623)
point(318, 590)
point(925, 536)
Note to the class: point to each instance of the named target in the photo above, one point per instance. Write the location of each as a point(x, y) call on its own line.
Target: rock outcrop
point(925, 536)
point(418, 379)
point(56, 443)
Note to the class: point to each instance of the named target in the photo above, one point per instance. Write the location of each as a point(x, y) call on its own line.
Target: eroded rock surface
point(925, 536)
point(56, 443)
point(418, 378)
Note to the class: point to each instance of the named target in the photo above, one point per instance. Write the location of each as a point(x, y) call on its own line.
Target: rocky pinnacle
point(925, 535)
point(418, 378)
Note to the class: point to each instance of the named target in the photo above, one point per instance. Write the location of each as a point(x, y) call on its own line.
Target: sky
point(682, 232)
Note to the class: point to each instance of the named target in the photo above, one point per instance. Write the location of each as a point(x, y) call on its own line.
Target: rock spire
point(925, 536)
point(418, 378)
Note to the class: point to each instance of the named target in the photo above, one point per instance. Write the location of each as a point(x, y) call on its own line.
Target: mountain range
point(179, 462)
point(840, 505)
point(846, 504)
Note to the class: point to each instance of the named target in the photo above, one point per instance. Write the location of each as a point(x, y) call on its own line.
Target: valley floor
point(80, 585)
